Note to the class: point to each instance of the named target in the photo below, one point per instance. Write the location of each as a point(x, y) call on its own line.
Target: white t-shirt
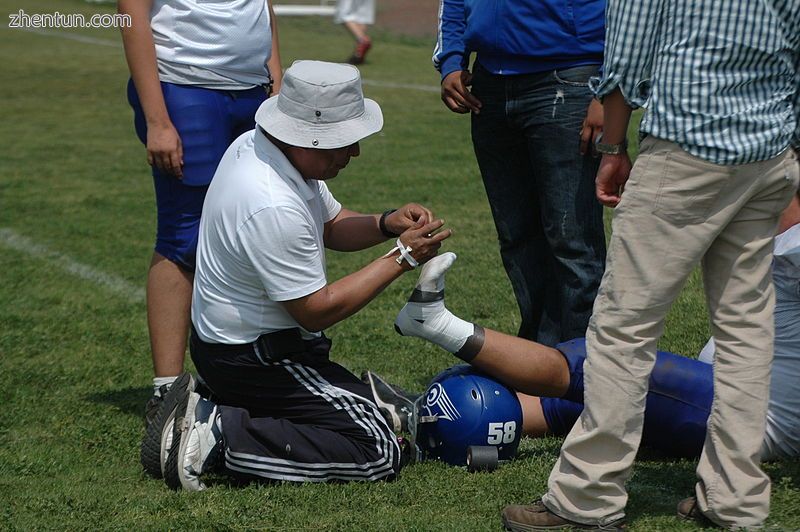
point(219, 44)
point(260, 243)
point(782, 438)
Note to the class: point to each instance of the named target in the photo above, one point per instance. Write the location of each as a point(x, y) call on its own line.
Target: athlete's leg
point(680, 390)
point(203, 123)
point(171, 273)
point(169, 296)
point(526, 366)
point(169, 280)
point(534, 421)
point(357, 30)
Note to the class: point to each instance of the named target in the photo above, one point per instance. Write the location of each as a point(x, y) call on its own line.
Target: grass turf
point(74, 356)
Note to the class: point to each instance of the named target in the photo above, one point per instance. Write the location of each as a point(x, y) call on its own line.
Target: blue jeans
point(541, 192)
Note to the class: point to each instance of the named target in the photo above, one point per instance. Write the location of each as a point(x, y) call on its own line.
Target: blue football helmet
point(463, 407)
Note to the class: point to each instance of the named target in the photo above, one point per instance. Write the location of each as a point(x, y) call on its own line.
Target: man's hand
point(424, 240)
point(592, 126)
point(335, 302)
point(164, 149)
point(611, 177)
point(407, 216)
point(455, 94)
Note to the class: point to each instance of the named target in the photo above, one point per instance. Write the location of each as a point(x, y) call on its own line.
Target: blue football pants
point(207, 121)
point(677, 408)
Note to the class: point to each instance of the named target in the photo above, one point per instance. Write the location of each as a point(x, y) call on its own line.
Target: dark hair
point(272, 139)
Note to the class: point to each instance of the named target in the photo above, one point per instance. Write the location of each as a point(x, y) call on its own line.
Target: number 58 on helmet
point(468, 418)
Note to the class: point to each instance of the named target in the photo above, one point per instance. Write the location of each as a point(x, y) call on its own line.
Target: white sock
point(158, 382)
point(425, 315)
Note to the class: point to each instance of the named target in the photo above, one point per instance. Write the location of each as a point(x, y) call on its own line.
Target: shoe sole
point(180, 438)
point(150, 452)
point(515, 526)
point(174, 398)
point(389, 410)
point(509, 527)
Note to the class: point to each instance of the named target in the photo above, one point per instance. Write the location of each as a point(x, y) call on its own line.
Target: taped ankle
point(473, 345)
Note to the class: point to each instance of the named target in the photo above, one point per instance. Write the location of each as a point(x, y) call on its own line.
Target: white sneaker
point(198, 442)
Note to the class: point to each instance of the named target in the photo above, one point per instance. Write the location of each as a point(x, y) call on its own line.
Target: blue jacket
point(519, 36)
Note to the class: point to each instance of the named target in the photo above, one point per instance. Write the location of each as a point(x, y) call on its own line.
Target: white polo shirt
point(260, 243)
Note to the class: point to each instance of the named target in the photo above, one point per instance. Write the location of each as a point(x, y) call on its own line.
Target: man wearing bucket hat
point(282, 410)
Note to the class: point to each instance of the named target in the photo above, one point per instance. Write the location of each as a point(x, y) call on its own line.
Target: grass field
point(76, 226)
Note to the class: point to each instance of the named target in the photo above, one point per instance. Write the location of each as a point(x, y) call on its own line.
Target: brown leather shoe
point(689, 511)
point(536, 516)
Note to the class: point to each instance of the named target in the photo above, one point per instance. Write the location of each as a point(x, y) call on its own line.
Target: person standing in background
point(199, 71)
point(356, 15)
point(533, 122)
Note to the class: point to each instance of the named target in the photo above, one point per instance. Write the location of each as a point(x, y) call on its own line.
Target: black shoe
point(396, 404)
point(159, 413)
point(153, 404)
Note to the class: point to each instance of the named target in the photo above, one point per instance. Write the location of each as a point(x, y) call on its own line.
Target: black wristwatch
point(382, 224)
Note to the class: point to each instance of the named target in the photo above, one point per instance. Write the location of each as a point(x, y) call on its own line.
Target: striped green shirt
point(721, 78)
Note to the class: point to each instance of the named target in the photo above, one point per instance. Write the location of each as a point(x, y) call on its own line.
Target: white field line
point(116, 44)
point(72, 37)
point(408, 86)
point(13, 240)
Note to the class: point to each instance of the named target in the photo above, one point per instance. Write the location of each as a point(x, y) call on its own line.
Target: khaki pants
point(676, 211)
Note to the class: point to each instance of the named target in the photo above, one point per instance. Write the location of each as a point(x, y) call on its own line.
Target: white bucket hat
point(321, 105)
